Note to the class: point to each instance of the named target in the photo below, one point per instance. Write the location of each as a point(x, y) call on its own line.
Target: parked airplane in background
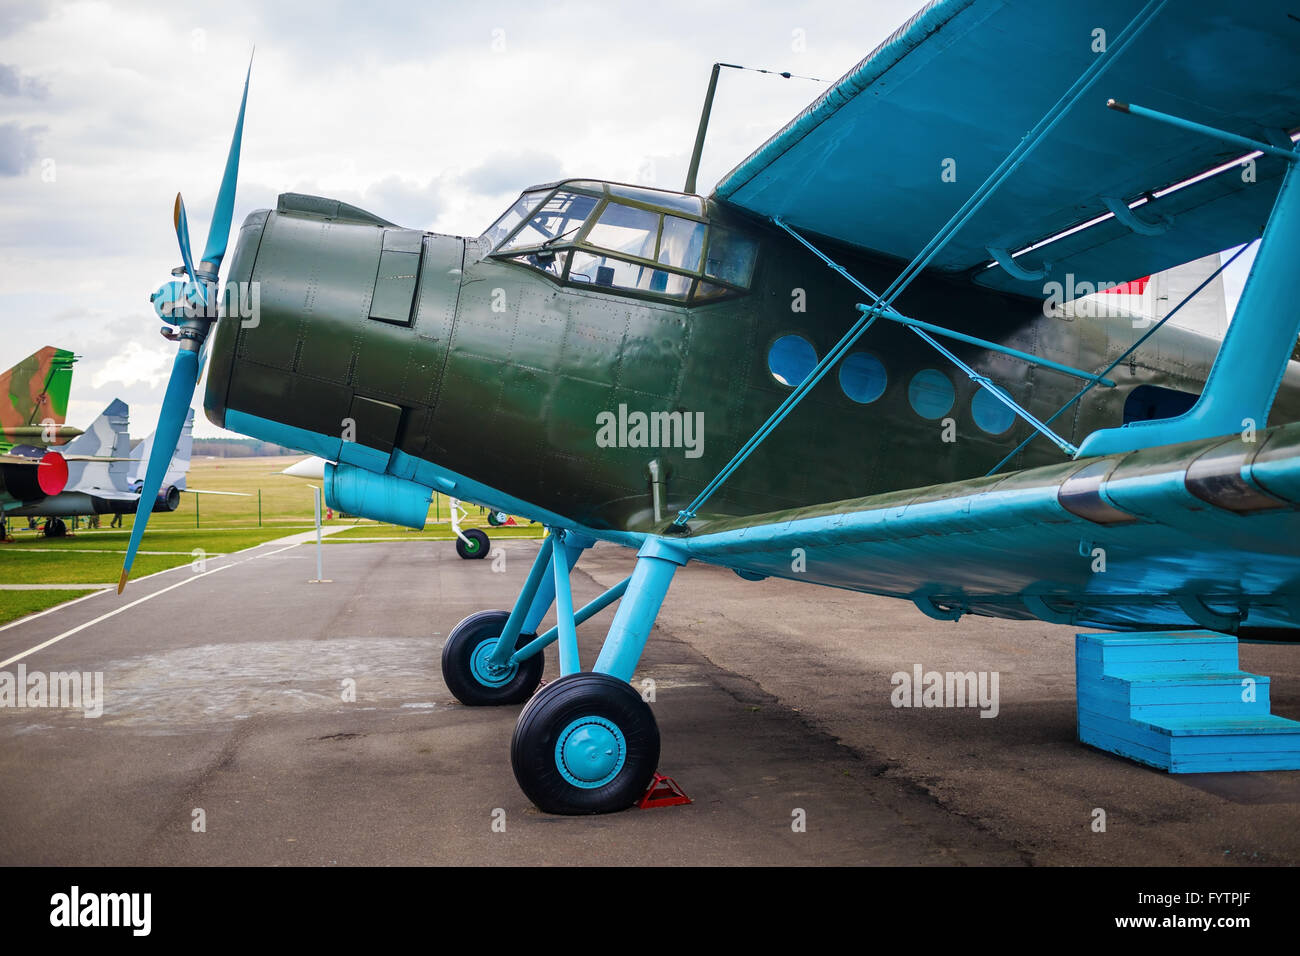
point(33, 404)
point(837, 368)
point(34, 400)
point(105, 474)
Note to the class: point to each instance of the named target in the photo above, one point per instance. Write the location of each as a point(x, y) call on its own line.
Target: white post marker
point(320, 577)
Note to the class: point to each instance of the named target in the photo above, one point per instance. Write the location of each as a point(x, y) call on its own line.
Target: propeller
point(187, 306)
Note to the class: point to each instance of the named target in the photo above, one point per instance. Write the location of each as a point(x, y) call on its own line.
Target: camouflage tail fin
point(34, 398)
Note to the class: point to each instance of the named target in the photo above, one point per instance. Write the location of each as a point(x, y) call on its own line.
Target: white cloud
point(431, 115)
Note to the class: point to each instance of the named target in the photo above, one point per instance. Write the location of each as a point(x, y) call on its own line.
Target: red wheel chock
point(663, 792)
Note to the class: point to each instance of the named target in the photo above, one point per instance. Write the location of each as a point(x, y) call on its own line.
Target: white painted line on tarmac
point(126, 607)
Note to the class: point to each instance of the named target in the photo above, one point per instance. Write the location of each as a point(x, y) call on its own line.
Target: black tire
point(497, 518)
point(476, 548)
point(458, 659)
point(552, 712)
point(55, 528)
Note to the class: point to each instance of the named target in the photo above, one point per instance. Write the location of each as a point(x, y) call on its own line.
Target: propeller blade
point(171, 420)
point(183, 234)
point(219, 232)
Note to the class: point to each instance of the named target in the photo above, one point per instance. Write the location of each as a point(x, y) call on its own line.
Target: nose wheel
point(586, 743)
point(473, 545)
point(468, 669)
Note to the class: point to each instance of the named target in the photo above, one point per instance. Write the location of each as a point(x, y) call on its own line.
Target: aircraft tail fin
point(106, 437)
point(180, 463)
point(34, 393)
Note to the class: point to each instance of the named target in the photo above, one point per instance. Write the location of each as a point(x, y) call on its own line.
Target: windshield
point(560, 216)
point(624, 237)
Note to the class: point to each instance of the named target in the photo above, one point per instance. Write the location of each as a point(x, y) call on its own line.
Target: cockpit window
point(559, 217)
point(512, 217)
point(731, 257)
point(627, 229)
point(625, 237)
point(680, 243)
point(657, 197)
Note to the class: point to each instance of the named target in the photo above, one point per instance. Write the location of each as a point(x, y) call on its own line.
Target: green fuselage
point(498, 372)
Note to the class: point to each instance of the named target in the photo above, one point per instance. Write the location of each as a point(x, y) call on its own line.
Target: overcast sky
point(432, 115)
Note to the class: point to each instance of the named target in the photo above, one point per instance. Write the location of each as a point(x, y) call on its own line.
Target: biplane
point(837, 367)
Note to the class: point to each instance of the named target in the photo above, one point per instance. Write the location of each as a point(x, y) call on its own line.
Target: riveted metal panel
point(375, 422)
point(395, 286)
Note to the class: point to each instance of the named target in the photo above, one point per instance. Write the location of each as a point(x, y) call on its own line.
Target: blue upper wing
point(956, 88)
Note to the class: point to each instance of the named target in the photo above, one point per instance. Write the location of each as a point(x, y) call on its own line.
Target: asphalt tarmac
point(228, 735)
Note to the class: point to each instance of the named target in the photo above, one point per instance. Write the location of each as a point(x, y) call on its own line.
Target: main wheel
point(55, 528)
point(497, 518)
point(467, 669)
point(586, 743)
point(475, 547)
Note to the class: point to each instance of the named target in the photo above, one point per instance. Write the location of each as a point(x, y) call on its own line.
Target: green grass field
point(222, 525)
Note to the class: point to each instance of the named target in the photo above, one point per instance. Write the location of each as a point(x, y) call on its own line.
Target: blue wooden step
point(1171, 695)
point(1177, 700)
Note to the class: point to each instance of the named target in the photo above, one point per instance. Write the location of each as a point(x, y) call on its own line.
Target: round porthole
point(790, 359)
point(991, 415)
point(931, 393)
point(863, 378)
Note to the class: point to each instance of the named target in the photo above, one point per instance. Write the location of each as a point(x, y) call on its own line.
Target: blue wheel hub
point(481, 666)
point(590, 752)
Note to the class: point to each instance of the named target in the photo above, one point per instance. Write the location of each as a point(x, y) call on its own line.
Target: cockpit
point(627, 238)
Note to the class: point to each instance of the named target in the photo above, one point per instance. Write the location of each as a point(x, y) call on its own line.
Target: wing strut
point(1126, 353)
point(1244, 379)
point(972, 205)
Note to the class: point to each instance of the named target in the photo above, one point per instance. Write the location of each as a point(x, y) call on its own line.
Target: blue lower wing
point(1204, 535)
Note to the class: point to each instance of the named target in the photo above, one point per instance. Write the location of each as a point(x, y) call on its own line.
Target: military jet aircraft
point(33, 405)
point(34, 400)
point(105, 474)
point(843, 366)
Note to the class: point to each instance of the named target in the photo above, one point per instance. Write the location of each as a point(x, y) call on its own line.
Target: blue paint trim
point(363, 456)
point(435, 476)
point(424, 472)
point(590, 752)
point(309, 442)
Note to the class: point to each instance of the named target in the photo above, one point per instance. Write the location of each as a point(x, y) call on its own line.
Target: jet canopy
point(648, 242)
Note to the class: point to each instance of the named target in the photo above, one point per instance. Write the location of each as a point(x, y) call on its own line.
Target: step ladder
point(1177, 700)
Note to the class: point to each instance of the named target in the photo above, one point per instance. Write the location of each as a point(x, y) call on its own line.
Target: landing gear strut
point(587, 742)
point(472, 543)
